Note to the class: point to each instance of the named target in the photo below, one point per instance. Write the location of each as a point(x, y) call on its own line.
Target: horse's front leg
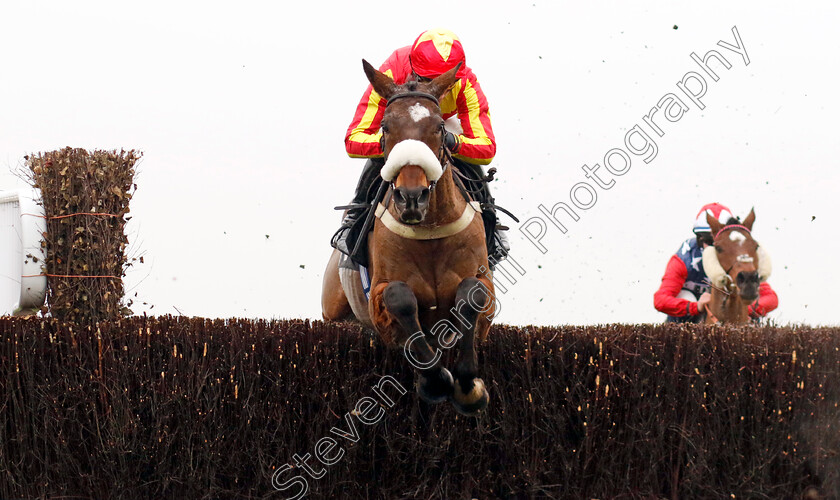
point(472, 301)
point(400, 304)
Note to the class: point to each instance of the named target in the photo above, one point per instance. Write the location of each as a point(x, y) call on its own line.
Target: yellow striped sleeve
point(480, 135)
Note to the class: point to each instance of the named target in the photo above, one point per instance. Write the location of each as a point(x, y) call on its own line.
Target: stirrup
point(339, 239)
point(497, 256)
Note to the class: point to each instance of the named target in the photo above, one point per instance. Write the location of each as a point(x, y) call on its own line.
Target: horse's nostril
point(747, 277)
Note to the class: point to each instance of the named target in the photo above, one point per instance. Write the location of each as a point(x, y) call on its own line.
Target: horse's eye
point(384, 127)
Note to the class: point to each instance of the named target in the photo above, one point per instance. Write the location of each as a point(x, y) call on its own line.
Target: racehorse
point(735, 266)
point(430, 277)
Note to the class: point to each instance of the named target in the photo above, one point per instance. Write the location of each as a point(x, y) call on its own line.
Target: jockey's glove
point(451, 142)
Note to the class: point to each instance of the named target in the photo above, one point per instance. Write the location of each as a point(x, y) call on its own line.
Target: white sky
point(241, 109)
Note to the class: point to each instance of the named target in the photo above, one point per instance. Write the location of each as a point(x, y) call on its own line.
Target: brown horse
point(735, 265)
point(430, 278)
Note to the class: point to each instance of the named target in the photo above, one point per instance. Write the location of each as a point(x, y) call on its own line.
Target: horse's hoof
point(470, 404)
point(435, 390)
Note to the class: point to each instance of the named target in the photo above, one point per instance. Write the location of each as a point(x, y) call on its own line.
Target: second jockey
point(684, 292)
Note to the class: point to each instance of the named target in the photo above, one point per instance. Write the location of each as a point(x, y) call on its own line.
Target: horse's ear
point(748, 222)
point(441, 84)
point(382, 83)
point(713, 223)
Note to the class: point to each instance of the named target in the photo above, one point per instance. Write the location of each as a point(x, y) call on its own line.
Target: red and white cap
point(718, 211)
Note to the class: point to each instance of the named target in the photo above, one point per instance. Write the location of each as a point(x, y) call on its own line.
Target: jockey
point(469, 135)
point(684, 292)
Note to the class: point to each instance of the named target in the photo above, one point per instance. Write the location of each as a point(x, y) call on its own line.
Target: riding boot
point(502, 243)
point(498, 245)
point(344, 240)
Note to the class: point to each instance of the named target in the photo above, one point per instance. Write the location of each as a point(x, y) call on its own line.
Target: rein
point(380, 194)
point(723, 303)
point(721, 290)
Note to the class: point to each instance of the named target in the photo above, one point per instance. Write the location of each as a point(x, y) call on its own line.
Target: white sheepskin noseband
point(712, 266)
point(717, 275)
point(765, 266)
point(411, 152)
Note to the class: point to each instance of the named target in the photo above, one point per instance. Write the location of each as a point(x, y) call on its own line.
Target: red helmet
point(717, 210)
point(435, 52)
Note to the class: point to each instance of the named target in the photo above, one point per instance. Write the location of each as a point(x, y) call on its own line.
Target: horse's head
point(412, 139)
point(736, 263)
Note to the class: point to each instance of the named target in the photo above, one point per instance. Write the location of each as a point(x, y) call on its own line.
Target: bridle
point(443, 154)
point(727, 271)
point(732, 226)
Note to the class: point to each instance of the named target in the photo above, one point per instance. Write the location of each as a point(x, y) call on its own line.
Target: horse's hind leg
point(470, 395)
point(435, 382)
